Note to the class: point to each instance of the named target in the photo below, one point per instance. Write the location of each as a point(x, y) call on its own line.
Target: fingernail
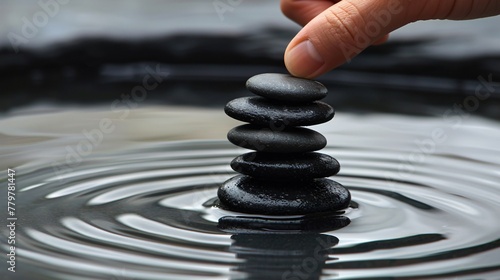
point(303, 60)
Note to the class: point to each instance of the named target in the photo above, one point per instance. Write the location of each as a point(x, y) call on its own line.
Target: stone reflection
point(285, 249)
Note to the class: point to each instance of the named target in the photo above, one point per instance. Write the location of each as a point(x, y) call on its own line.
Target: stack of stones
point(284, 176)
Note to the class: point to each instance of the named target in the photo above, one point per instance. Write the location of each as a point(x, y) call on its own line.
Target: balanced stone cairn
point(284, 176)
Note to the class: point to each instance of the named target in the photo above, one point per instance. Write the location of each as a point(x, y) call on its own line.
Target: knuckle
point(341, 28)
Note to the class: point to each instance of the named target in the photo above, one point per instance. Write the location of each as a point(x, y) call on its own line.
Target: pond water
point(128, 191)
point(426, 198)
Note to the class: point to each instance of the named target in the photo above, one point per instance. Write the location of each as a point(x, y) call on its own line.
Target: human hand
point(337, 30)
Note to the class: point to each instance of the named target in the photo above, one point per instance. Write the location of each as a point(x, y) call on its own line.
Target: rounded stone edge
point(244, 166)
point(274, 117)
point(270, 90)
point(269, 147)
point(238, 205)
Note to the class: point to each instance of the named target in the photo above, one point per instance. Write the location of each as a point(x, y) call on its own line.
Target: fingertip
point(303, 60)
point(381, 40)
point(339, 34)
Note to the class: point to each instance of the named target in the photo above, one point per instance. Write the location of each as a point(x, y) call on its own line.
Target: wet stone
point(286, 167)
point(288, 140)
point(286, 88)
point(250, 195)
point(262, 111)
point(284, 176)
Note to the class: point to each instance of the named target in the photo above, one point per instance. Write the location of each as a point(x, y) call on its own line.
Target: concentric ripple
point(150, 213)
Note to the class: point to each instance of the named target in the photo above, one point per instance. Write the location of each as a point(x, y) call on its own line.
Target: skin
point(335, 31)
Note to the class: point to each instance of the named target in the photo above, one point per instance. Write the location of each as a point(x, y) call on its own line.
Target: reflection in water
point(321, 222)
point(282, 256)
point(286, 248)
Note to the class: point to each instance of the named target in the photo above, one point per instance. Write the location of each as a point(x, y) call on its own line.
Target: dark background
point(91, 52)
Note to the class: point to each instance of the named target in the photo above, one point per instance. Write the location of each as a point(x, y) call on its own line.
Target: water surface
point(143, 207)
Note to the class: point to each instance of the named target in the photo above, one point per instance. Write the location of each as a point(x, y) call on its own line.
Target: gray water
point(145, 207)
point(140, 202)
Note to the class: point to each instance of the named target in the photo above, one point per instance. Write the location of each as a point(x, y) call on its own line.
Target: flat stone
point(262, 111)
point(249, 195)
point(288, 140)
point(287, 88)
point(282, 167)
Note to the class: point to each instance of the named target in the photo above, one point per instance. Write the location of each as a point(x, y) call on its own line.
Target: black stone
point(283, 167)
point(261, 111)
point(284, 176)
point(288, 140)
point(287, 88)
point(250, 195)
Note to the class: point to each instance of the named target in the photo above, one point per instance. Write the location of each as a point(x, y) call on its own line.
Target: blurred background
point(91, 52)
point(65, 64)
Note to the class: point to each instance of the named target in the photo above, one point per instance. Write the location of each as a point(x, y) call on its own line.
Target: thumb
point(340, 33)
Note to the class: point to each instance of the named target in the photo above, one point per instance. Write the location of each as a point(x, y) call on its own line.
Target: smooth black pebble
point(261, 111)
point(286, 88)
point(288, 140)
point(283, 167)
point(250, 195)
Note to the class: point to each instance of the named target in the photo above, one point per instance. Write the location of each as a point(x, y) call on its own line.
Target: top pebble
point(286, 88)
